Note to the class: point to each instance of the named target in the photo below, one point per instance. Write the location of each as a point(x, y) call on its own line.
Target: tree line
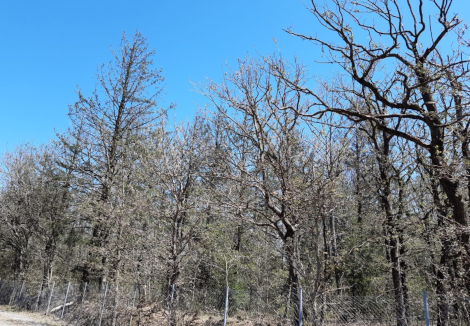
point(354, 185)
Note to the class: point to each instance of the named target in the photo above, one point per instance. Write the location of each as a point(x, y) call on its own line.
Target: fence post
point(226, 306)
point(133, 302)
point(65, 300)
point(300, 306)
point(39, 296)
point(170, 304)
point(102, 306)
point(426, 312)
point(50, 298)
point(81, 303)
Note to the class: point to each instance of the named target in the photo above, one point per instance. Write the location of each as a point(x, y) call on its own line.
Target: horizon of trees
point(359, 186)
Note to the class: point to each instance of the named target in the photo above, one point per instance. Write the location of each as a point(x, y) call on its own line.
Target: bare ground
point(11, 317)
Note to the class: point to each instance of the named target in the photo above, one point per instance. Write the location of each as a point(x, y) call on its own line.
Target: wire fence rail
point(132, 304)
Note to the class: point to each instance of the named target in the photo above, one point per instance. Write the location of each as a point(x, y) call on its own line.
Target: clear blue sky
point(51, 47)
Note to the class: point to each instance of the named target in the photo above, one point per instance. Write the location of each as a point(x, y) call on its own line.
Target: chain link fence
point(130, 304)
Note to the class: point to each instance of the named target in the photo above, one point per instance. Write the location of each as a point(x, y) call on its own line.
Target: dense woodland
point(355, 184)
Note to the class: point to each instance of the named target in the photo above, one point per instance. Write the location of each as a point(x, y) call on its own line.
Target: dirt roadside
point(10, 317)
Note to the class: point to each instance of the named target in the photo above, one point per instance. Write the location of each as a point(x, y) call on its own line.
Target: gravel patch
point(10, 317)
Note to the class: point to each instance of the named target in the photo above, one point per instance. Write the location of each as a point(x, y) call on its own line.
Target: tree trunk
point(398, 289)
point(441, 290)
point(459, 215)
point(291, 249)
point(394, 246)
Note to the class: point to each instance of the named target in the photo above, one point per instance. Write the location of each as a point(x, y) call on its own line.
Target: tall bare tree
point(105, 127)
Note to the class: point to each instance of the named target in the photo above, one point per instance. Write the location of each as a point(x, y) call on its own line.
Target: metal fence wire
point(344, 310)
point(146, 304)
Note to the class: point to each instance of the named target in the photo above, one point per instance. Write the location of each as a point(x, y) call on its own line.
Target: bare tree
point(35, 202)
point(20, 208)
point(56, 196)
point(105, 127)
point(269, 154)
point(409, 58)
point(171, 164)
